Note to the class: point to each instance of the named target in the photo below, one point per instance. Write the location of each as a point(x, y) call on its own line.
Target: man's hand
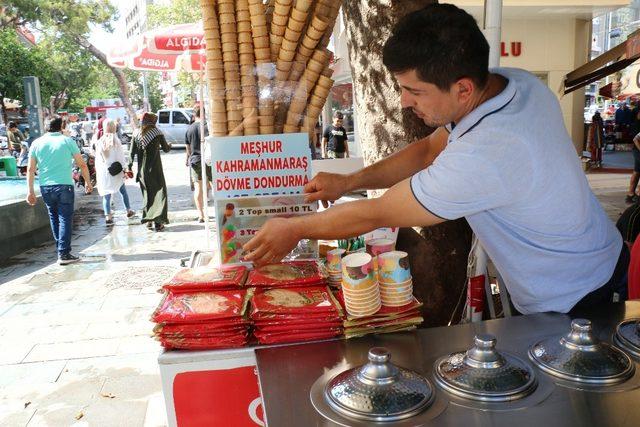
point(327, 187)
point(31, 199)
point(272, 242)
point(88, 188)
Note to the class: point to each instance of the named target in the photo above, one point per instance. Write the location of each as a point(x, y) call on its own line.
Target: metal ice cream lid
point(483, 373)
point(581, 357)
point(379, 390)
point(627, 336)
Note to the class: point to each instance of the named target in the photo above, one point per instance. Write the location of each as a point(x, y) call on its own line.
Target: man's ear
point(465, 88)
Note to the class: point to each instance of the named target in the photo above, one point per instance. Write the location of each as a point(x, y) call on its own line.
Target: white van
point(174, 122)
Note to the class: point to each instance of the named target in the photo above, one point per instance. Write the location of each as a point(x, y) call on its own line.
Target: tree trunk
point(438, 254)
point(122, 81)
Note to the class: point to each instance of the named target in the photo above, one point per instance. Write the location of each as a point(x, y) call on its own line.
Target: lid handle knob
point(379, 355)
point(580, 336)
point(483, 354)
point(379, 370)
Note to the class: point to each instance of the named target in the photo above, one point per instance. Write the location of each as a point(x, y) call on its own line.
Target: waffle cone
point(226, 8)
point(227, 28)
point(244, 26)
point(282, 7)
point(291, 128)
point(266, 130)
point(298, 14)
point(227, 18)
point(245, 37)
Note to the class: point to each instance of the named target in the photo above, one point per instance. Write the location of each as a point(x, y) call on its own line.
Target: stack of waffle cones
point(267, 64)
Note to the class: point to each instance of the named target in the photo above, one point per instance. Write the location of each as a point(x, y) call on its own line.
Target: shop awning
point(616, 59)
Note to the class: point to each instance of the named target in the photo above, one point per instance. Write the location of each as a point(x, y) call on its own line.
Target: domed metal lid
point(579, 356)
point(628, 336)
point(379, 390)
point(482, 373)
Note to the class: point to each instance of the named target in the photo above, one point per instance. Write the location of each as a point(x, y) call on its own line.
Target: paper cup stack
point(267, 65)
point(394, 276)
point(379, 246)
point(360, 285)
point(334, 266)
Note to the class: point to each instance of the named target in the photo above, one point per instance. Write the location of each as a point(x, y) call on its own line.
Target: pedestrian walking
point(110, 161)
point(195, 162)
point(595, 140)
point(52, 155)
point(335, 144)
point(87, 130)
point(145, 145)
point(15, 138)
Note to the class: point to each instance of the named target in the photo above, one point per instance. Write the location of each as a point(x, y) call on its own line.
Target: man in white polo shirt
point(501, 157)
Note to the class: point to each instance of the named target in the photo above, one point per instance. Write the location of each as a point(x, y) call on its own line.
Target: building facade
point(548, 38)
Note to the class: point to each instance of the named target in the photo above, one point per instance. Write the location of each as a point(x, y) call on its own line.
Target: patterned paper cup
point(376, 247)
point(363, 304)
point(395, 288)
point(396, 295)
point(393, 267)
point(402, 294)
point(364, 290)
point(334, 259)
point(357, 271)
point(363, 313)
point(402, 303)
point(361, 299)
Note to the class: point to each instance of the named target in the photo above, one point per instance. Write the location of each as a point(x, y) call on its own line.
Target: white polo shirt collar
point(487, 108)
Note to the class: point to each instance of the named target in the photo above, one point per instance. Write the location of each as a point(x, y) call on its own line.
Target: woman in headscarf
point(109, 175)
point(146, 144)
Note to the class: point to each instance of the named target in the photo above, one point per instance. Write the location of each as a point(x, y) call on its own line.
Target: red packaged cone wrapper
point(207, 278)
point(297, 321)
point(300, 337)
point(311, 300)
point(199, 306)
point(298, 328)
point(292, 273)
point(272, 317)
point(202, 329)
point(203, 343)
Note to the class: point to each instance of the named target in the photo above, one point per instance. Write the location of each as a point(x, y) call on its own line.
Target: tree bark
point(120, 77)
point(438, 254)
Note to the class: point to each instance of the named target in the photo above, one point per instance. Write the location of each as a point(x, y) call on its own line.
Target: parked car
point(174, 122)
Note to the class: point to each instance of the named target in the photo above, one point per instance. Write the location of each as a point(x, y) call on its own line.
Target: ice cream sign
point(260, 165)
point(255, 178)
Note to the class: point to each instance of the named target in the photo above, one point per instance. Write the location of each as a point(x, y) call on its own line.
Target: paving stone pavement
point(77, 346)
point(76, 340)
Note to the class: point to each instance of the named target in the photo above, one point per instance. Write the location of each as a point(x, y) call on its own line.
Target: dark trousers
point(59, 200)
point(617, 284)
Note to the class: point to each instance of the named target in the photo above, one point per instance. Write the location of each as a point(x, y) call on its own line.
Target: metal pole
point(205, 179)
point(492, 28)
point(145, 93)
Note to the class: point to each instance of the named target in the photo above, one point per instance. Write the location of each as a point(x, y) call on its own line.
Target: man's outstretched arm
point(396, 208)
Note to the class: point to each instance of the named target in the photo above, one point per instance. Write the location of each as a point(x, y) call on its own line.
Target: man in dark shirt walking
point(334, 139)
point(195, 162)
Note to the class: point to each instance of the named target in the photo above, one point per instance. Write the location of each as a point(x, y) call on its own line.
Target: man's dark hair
point(196, 111)
point(55, 125)
point(338, 115)
point(442, 43)
point(12, 125)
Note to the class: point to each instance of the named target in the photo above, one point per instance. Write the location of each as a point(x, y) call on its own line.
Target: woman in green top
point(146, 145)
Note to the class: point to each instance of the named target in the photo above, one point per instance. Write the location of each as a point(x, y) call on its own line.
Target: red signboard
point(219, 398)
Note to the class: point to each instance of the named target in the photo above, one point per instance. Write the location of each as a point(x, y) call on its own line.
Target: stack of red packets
point(287, 274)
point(207, 279)
point(387, 319)
point(204, 308)
point(295, 314)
